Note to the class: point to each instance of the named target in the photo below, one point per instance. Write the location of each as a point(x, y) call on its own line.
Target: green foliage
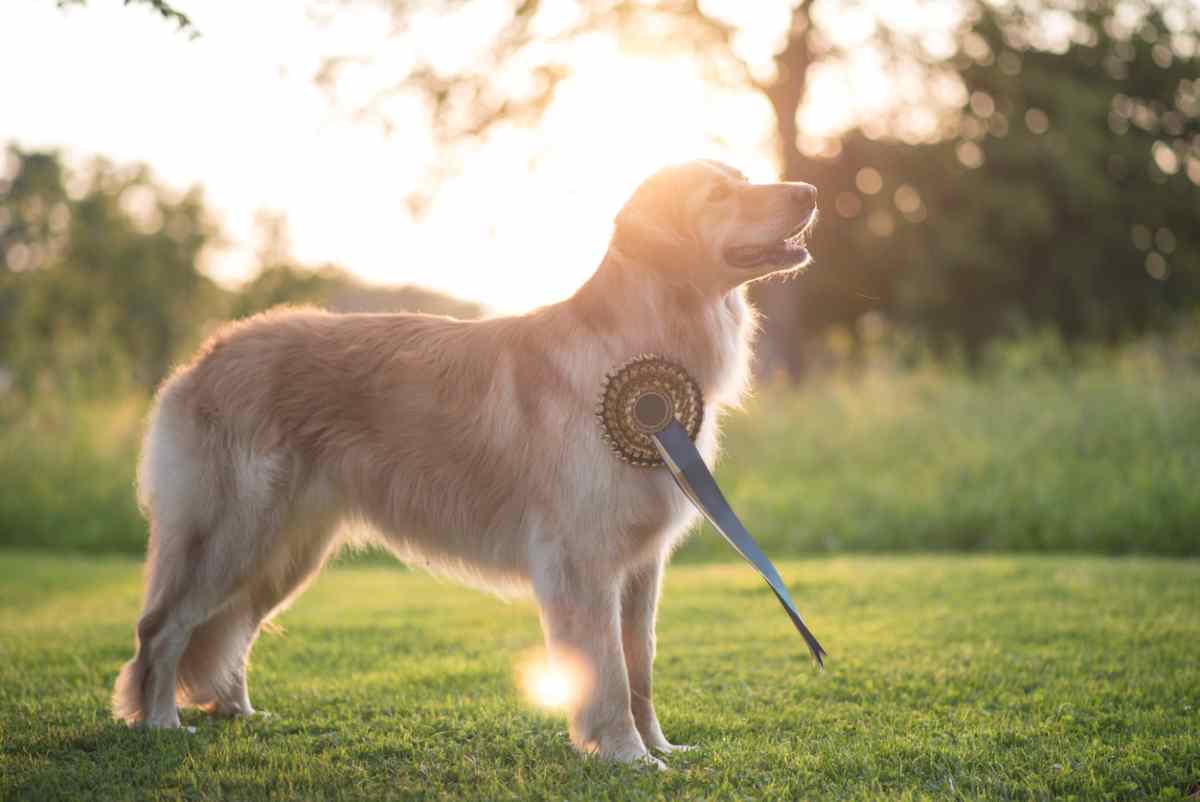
point(1081, 216)
point(68, 469)
point(977, 678)
point(101, 291)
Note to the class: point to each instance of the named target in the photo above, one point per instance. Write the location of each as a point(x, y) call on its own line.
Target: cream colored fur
point(465, 447)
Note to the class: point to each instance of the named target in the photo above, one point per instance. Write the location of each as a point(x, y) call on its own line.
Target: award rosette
point(639, 399)
point(650, 411)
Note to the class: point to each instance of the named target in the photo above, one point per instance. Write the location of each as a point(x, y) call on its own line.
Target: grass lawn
point(976, 677)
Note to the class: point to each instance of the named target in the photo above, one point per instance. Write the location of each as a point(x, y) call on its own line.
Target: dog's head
point(704, 223)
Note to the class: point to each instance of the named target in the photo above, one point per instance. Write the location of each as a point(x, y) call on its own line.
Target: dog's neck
point(642, 310)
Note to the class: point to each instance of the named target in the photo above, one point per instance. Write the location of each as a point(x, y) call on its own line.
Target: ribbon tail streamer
point(697, 483)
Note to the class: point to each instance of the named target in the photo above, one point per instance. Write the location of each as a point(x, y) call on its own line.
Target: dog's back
point(256, 452)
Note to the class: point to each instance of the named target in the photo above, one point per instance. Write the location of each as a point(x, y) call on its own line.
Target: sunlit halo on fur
point(552, 682)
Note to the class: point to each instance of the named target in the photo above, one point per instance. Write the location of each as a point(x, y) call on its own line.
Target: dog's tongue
point(748, 255)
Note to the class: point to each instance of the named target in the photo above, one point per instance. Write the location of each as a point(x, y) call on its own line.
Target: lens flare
point(552, 682)
point(550, 687)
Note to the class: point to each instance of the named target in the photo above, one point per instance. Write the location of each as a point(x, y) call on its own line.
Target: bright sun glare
point(550, 687)
point(524, 223)
point(617, 119)
point(551, 683)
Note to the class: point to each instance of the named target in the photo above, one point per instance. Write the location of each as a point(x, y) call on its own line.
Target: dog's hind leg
point(175, 604)
point(212, 527)
point(197, 584)
point(212, 669)
point(581, 618)
point(638, 611)
point(219, 652)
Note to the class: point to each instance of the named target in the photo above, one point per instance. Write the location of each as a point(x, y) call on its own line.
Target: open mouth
point(788, 251)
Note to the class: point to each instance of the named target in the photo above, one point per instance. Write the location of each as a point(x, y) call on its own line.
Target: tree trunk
point(782, 352)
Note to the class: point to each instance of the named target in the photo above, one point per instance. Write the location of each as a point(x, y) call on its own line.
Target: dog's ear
point(656, 234)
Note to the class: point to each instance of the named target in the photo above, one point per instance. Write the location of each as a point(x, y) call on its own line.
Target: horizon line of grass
point(1098, 458)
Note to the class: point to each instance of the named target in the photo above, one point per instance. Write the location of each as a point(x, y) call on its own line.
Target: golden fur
point(465, 447)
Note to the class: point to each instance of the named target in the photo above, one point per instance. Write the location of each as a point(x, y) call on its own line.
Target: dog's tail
point(128, 703)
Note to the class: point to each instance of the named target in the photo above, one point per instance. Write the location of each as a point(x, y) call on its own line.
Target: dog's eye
point(719, 193)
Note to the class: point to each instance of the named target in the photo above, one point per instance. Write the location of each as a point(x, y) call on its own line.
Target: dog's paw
point(239, 713)
point(649, 761)
point(657, 742)
point(167, 722)
point(227, 709)
point(186, 730)
point(628, 750)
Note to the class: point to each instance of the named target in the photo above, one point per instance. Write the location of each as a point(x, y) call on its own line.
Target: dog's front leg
point(638, 611)
point(581, 618)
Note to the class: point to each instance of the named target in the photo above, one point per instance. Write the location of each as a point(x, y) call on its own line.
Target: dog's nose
point(805, 195)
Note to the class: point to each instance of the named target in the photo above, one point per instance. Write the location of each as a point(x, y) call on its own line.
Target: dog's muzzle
point(788, 251)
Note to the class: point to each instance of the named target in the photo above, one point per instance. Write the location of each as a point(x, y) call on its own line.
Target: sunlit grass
point(981, 677)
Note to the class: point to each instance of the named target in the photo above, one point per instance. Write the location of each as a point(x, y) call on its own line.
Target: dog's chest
point(593, 487)
point(635, 509)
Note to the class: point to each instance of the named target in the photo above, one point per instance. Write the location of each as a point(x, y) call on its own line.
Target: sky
point(237, 112)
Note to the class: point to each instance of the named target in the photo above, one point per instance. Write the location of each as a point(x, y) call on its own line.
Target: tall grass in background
point(1032, 452)
point(67, 473)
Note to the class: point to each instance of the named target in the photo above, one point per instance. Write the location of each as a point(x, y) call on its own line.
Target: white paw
point(667, 748)
point(164, 723)
point(238, 712)
point(649, 761)
point(630, 751)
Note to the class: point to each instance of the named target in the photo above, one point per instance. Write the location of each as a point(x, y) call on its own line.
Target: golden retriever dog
point(469, 448)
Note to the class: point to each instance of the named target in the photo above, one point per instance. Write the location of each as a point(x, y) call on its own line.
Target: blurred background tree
point(101, 284)
point(101, 280)
point(1038, 168)
point(165, 10)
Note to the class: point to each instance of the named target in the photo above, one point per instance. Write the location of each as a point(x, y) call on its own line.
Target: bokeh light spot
point(1036, 121)
point(1165, 158)
point(1156, 266)
point(881, 223)
point(848, 204)
point(970, 154)
point(1164, 240)
point(982, 104)
point(868, 181)
point(907, 199)
point(1140, 236)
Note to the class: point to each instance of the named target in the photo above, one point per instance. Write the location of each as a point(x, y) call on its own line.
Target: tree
point(1063, 201)
point(103, 287)
point(101, 290)
point(166, 10)
point(1078, 56)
